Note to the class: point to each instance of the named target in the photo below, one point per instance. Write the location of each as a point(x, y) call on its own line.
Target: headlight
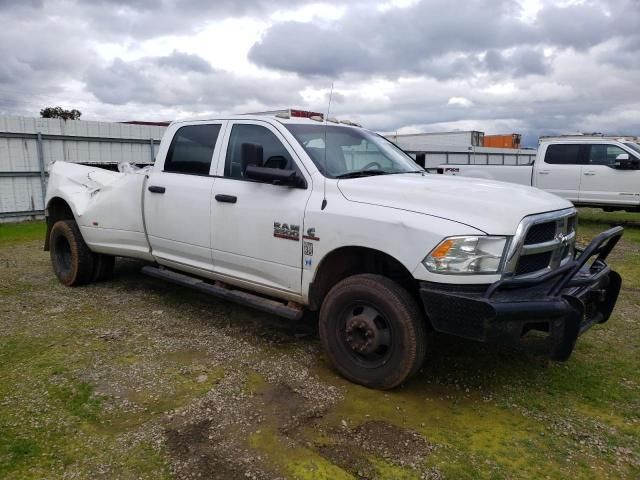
point(467, 255)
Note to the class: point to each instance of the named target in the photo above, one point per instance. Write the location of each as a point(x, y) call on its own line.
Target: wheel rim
point(63, 255)
point(365, 335)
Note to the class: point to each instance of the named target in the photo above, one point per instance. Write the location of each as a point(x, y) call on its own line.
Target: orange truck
point(511, 140)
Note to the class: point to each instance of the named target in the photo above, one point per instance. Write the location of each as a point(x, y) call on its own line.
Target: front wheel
point(372, 331)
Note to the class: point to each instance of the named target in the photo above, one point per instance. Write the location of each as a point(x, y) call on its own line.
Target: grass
point(13, 233)
point(490, 411)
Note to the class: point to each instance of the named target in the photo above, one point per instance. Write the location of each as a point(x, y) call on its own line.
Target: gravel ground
point(134, 378)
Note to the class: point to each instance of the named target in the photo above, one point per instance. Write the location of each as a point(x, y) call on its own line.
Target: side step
point(226, 292)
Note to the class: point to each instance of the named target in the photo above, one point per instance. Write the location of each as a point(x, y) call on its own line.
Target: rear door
point(177, 200)
point(603, 184)
point(258, 234)
point(560, 170)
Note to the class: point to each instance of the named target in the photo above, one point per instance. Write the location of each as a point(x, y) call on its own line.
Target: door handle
point(543, 172)
point(156, 189)
point(589, 173)
point(226, 198)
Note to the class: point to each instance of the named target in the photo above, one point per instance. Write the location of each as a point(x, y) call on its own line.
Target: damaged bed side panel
point(107, 206)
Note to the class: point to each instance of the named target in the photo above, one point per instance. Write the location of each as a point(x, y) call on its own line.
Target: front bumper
point(564, 302)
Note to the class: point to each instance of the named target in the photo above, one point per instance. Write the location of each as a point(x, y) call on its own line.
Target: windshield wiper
point(366, 173)
point(363, 173)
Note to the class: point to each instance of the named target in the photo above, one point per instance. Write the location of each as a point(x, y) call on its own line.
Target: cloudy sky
point(530, 66)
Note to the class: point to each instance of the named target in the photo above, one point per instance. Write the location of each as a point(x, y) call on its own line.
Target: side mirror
point(277, 176)
point(624, 162)
point(251, 154)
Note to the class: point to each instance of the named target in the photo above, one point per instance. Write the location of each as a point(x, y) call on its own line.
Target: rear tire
point(102, 267)
point(71, 258)
point(373, 331)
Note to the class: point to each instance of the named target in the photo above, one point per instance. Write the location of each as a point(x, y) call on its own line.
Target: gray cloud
point(164, 81)
point(9, 4)
point(143, 19)
point(310, 49)
point(185, 62)
point(412, 40)
point(422, 39)
point(586, 25)
point(38, 56)
point(519, 62)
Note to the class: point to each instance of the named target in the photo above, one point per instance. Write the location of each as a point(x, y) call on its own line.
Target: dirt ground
point(135, 378)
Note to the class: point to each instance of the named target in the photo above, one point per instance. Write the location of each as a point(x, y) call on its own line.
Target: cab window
point(191, 149)
point(567, 154)
point(272, 152)
point(604, 154)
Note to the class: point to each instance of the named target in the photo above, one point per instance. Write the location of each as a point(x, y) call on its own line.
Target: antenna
point(324, 162)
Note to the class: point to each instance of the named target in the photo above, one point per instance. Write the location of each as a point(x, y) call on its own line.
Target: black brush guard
point(564, 302)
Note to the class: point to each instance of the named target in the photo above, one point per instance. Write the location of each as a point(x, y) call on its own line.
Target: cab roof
point(290, 116)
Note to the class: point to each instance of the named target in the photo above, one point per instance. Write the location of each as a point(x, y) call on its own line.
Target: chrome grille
point(542, 232)
point(533, 263)
point(542, 242)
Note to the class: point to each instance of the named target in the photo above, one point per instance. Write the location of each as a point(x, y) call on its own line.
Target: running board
point(226, 292)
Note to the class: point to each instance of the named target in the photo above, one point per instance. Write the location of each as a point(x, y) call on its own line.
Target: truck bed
point(108, 206)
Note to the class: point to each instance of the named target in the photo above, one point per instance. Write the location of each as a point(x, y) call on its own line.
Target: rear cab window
point(191, 149)
point(564, 154)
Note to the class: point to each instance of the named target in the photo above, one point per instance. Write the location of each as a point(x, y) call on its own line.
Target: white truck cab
point(591, 171)
point(291, 214)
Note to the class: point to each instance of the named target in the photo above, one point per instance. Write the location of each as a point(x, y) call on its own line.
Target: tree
point(59, 112)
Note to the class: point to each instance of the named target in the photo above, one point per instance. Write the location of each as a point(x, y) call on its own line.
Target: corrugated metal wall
point(429, 139)
point(29, 145)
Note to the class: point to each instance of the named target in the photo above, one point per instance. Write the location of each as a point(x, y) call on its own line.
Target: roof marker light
point(304, 113)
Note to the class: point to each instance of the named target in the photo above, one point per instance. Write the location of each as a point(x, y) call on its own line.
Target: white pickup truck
point(300, 214)
point(588, 171)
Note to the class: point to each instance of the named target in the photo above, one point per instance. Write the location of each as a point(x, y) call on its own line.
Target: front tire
point(71, 258)
point(372, 331)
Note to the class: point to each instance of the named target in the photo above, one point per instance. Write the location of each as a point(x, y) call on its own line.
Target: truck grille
point(533, 263)
point(542, 232)
point(542, 242)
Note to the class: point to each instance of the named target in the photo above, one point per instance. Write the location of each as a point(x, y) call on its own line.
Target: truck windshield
point(634, 146)
point(351, 152)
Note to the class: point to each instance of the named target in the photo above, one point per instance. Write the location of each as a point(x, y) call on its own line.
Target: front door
point(177, 199)
point(258, 234)
point(603, 184)
point(560, 171)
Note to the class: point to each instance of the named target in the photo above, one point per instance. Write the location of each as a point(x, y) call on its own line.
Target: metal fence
point(436, 155)
point(431, 159)
point(29, 145)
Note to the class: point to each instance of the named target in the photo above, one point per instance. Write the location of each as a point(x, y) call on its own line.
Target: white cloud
point(460, 101)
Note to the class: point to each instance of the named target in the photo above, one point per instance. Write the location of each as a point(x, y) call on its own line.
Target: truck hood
point(494, 207)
